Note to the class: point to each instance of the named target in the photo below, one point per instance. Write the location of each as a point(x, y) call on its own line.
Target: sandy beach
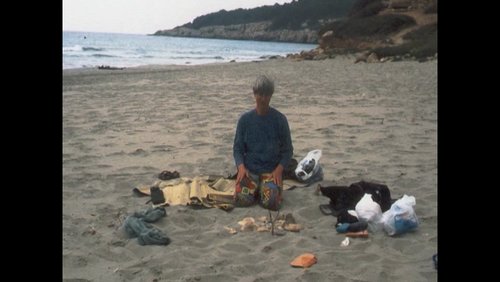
point(121, 128)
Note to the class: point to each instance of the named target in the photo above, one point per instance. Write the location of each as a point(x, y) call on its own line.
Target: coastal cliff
point(297, 21)
point(381, 29)
point(250, 31)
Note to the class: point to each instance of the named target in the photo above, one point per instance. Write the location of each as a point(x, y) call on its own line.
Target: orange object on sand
point(360, 234)
point(304, 260)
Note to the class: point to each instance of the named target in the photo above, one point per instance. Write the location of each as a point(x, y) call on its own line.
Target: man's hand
point(278, 175)
point(242, 172)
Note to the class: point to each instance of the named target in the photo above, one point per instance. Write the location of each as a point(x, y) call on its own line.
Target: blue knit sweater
point(262, 142)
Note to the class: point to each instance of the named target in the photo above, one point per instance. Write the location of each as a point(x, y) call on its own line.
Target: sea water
point(91, 49)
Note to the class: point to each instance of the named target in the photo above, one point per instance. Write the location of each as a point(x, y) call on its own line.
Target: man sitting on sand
point(262, 149)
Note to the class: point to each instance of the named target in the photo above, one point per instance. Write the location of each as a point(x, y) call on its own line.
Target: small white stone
point(345, 243)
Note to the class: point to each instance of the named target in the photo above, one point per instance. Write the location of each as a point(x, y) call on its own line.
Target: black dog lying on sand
point(343, 198)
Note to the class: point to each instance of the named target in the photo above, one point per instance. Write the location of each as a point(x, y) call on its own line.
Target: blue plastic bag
point(401, 217)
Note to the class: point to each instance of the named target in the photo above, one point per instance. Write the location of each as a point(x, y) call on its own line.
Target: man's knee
point(245, 192)
point(271, 196)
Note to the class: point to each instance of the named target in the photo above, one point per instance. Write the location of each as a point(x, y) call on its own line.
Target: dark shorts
point(258, 188)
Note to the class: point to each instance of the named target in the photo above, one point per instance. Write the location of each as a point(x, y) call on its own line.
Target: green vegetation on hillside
point(420, 43)
point(374, 27)
point(287, 16)
point(366, 8)
point(366, 25)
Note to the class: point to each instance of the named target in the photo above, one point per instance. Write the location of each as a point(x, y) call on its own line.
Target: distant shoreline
point(352, 57)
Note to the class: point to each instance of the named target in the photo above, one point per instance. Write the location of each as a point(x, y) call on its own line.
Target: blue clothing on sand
point(262, 141)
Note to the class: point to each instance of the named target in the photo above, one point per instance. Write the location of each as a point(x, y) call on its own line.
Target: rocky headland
point(375, 30)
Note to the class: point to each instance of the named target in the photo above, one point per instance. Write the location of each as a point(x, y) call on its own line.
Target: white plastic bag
point(401, 217)
point(309, 167)
point(369, 211)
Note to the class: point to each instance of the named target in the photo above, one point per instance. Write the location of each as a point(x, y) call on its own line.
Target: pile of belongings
point(200, 191)
point(205, 191)
point(367, 205)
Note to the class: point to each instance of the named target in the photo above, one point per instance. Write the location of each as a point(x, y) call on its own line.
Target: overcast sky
point(144, 16)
